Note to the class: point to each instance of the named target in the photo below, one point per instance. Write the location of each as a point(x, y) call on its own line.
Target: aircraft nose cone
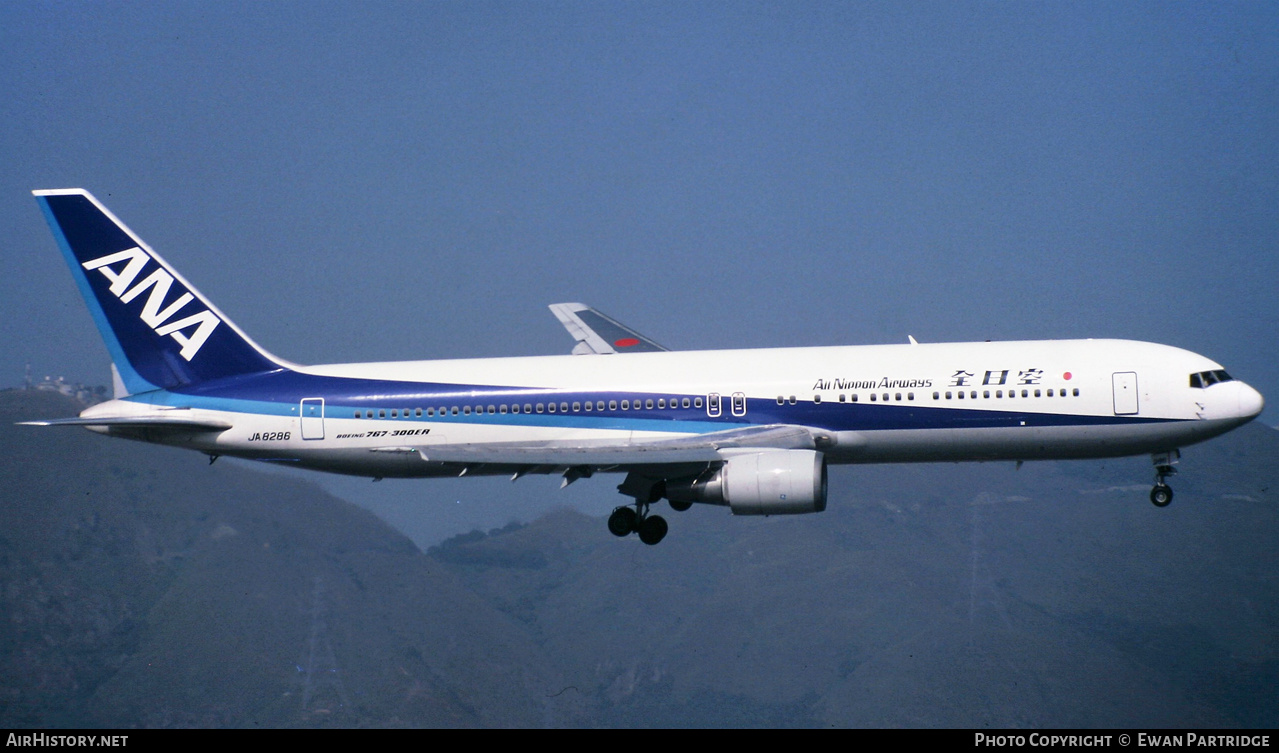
point(1250, 401)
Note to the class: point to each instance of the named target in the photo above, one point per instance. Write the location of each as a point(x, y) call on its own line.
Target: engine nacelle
point(771, 482)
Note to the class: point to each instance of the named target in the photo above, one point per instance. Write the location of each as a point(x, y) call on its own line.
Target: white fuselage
point(879, 403)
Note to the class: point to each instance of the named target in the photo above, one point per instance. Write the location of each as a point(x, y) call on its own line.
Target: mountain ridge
point(143, 587)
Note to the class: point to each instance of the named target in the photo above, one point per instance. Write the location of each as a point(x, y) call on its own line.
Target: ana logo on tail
point(154, 312)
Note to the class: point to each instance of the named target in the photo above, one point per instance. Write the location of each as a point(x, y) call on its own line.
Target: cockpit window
point(1206, 379)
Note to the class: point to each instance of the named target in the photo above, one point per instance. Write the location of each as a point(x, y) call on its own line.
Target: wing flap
point(700, 448)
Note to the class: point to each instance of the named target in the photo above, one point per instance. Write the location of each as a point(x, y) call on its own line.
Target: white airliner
point(749, 429)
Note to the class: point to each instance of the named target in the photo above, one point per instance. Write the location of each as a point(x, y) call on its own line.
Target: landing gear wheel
point(622, 521)
point(652, 529)
point(680, 506)
point(1161, 495)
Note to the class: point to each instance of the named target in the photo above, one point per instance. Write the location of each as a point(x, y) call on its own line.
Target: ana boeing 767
point(753, 430)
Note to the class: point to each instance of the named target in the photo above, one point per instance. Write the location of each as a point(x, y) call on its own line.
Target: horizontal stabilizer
point(184, 423)
point(599, 334)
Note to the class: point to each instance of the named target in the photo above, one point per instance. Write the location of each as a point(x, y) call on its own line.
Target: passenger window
point(563, 407)
point(661, 402)
point(1025, 393)
point(697, 402)
point(684, 403)
point(599, 405)
point(817, 399)
point(649, 403)
point(502, 408)
point(947, 395)
point(986, 394)
point(999, 393)
point(897, 396)
point(936, 395)
point(381, 413)
point(492, 409)
point(854, 397)
point(551, 407)
point(960, 395)
point(1076, 392)
point(1036, 393)
point(528, 408)
point(612, 405)
point(872, 397)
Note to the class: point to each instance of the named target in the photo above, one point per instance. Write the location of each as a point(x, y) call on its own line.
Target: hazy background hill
point(956, 595)
point(142, 586)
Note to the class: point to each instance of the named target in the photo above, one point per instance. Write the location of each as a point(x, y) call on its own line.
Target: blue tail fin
point(160, 331)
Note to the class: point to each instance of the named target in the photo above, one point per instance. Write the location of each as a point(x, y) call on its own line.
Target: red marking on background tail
point(626, 342)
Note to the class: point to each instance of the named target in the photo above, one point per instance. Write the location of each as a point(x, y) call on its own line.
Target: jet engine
point(772, 482)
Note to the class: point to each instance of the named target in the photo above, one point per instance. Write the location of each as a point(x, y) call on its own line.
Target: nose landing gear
point(1161, 494)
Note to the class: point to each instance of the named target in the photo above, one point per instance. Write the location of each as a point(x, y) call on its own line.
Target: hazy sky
point(384, 181)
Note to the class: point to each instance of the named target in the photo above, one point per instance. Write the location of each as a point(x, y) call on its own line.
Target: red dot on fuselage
point(626, 342)
point(1066, 376)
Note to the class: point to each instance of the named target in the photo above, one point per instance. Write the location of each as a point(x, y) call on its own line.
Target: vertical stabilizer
point(118, 390)
point(160, 331)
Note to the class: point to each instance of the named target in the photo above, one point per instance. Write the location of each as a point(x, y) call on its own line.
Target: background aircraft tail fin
point(160, 331)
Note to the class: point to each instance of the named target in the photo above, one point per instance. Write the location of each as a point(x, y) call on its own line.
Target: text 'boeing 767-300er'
point(753, 430)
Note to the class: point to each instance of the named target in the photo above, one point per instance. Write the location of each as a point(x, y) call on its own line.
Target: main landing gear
point(627, 520)
point(1161, 494)
point(635, 518)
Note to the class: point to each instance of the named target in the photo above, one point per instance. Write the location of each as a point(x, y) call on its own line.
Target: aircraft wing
point(701, 448)
point(599, 334)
